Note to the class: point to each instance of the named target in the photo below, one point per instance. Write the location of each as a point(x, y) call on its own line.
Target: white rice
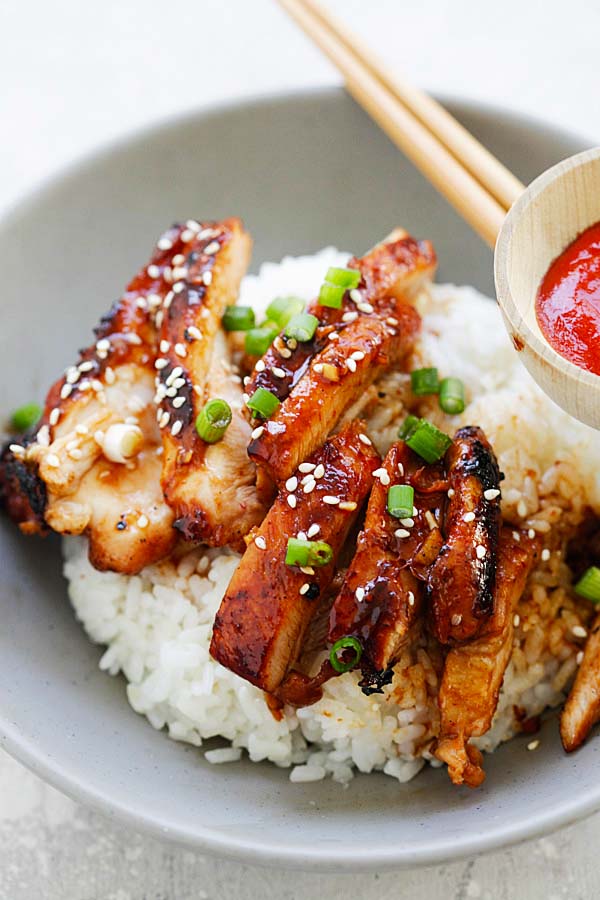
point(157, 625)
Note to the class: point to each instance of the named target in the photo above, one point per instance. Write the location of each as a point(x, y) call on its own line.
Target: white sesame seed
point(309, 486)
point(306, 467)
point(178, 259)
point(72, 375)
point(97, 385)
point(180, 350)
point(176, 427)
point(277, 372)
point(491, 494)
point(480, 551)
point(408, 523)
point(301, 536)
point(132, 338)
point(192, 225)
point(411, 598)
point(356, 295)
point(533, 745)
point(359, 593)
point(307, 570)
point(260, 366)
point(179, 286)
point(170, 392)
point(521, 508)
point(65, 391)
point(167, 274)
point(164, 243)
point(81, 429)
point(579, 631)
point(318, 367)
point(429, 517)
point(17, 450)
point(469, 517)
point(211, 248)
point(165, 346)
point(348, 505)
point(350, 317)
point(351, 365)
point(143, 521)
point(153, 271)
point(291, 484)
point(319, 471)
point(333, 336)
point(109, 375)
point(43, 436)
point(331, 501)
point(245, 397)
point(103, 344)
point(531, 534)
point(365, 440)
point(358, 355)
point(161, 363)
point(546, 554)
point(313, 530)
point(391, 320)
point(54, 415)
point(402, 533)
point(70, 445)
point(257, 432)
point(456, 619)
point(194, 333)
point(516, 536)
point(75, 453)
point(164, 420)
point(53, 461)
point(207, 278)
point(579, 658)
point(178, 402)
point(382, 475)
point(364, 307)
point(159, 318)
point(401, 468)
point(291, 499)
point(178, 383)
point(177, 371)
point(86, 366)
point(451, 493)
point(187, 235)
point(260, 542)
point(305, 588)
point(516, 620)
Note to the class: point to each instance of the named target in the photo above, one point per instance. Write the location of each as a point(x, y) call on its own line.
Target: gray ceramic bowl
point(303, 171)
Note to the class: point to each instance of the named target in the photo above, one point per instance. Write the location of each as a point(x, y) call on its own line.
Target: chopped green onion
point(213, 420)
point(588, 585)
point(331, 295)
point(407, 427)
point(345, 643)
point(346, 278)
point(302, 327)
point(452, 396)
point(263, 403)
point(238, 318)
point(307, 553)
point(400, 501)
point(258, 340)
point(25, 416)
point(424, 381)
point(428, 441)
point(282, 309)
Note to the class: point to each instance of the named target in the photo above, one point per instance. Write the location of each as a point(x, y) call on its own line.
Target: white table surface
point(74, 75)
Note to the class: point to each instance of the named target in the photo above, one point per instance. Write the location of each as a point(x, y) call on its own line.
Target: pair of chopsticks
point(477, 185)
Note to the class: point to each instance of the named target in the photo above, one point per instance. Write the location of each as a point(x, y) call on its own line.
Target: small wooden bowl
point(548, 216)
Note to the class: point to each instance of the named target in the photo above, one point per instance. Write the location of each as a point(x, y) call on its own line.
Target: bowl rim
point(346, 856)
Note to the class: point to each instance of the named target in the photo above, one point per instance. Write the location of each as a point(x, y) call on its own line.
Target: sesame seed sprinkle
point(382, 475)
point(178, 402)
point(579, 658)
point(86, 366)
point(533, 745)
point(331, 501)
point(391, 320)
point(402, 533)
point(305, 588)
point(164, 346)
point(178, 259)
point(333, 336)
point(579, 631)
point(257, 432)
point(306, 467)
point(82, 429)
point(358, 355)
point(180, 350)
point(65, 391)
point(194, 333)
point(491, 494)
point(17, 450)
point(350, 317)
point(260, 366)
point(161, 363)
point(109, 375)
point(176, 427)
point(143, 522)
point(207, 278)
point(365, 440)
point(456, 619)
point(53, 461)
point(284, 352)
point(43, 436)
point(531, 534)
point(411, 598)
point(359, 593)
point(277, 372)
point(351, 365)
point(313, 530)
point(516, 536)
point(54, 415)
point(545, 554)
point(211, 248)
point(164, 243)
point(164, 420)
point(292, 501)
point(318, 367)
point(319, 471)
point(291, 484)
point(469, 517)
point(355, 295)
point(309, 486)
point(451, 493)
point(480, 551)
point(307, 570)
point(153, 271)
point(75, 453)
point(408, 523)
point(260, 542)
point(516, 620)
point(364, 307)
point(348, 505)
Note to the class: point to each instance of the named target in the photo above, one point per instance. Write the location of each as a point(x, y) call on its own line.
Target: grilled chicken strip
point(381, 599)
point(268, 605)
point(318, 381)
point(210, 487)
point(67, 476)
point(474, 671)
point(582, 709)
point(461, 581)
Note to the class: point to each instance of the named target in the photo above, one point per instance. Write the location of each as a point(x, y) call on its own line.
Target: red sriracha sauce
point(568, 301)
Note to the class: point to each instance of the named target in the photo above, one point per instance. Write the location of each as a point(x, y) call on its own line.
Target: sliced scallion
point(213, 420)
point(346, 278)
point(282, 309)
point(407, 427)
point(238, 318)
point(400, 501)
point(25, 416)
point(258, 340)
point(452, 396)
point(302, 327)
point(345, 643)
point(588, 585)
point(307, 553)
point(263, 403)
point(331, 295)
point(424, 381)
point(428, 441)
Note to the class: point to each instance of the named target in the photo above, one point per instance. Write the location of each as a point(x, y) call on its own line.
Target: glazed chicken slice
point(318, 381)
point(381, 600)
point(264, 615)
point(210, 487)
point(582, 709)
point(474, 671)
point(461, 581)
point(92, 465)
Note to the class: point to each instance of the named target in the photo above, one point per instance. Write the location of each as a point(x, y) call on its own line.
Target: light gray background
point(76, 74)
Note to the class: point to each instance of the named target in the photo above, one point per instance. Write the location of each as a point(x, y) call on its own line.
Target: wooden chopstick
point(447, 173)
point(483, 165)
